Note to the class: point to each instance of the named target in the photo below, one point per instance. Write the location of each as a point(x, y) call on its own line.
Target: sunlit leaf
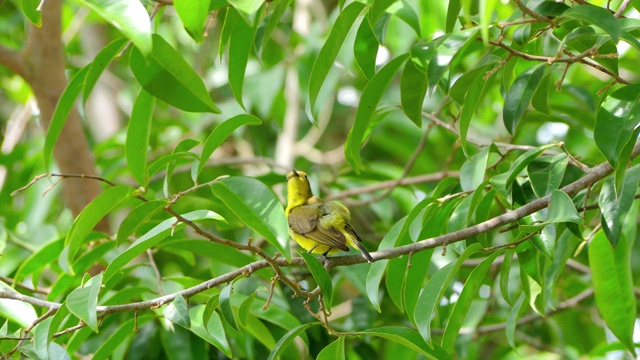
point(82, 302)
point(561, 209)
point(153, 236)
point(257, 207)
point(88, 219)
point(333, 351)
point(221, 133)
point(193, 15)
point(595, 15)
point(128, 16)
point(177, 312)
point(411, 339)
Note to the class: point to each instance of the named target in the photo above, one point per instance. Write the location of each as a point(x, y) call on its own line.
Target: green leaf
point(168, 159)
point(486, 8)
point(41, 338)
point(413, 88)
point(462, 305)
point(177, 312)
point(210, 308)
point(61, 113)
point(82, 302)
point(434, 291)
point(88, 219)
point(409, 338)
point(561, 209)
point(613, 286)
point(225, 306)
point(597, 16)
point(193, 15)
point(378, 9)
point(522, 161)
point(616, 123)
point(452, 14)
point(377, 269)
point(240, 45)
point(166, 75)
point(221, 133)
point(211, 331)
point(546, 173)
point(512, 320)
point(368, 102)
point(99, 64)
point(36, 261)
point(257, 207)
point(128, 16)
point(138, 216)
point(333, 351)
point(287, 339)
point(365, 48)
point(125, 330)
point(504, 275)
point(31, 12)
point(321, 275)
point(615, 207)
point(248, 7)
point(327, 55)
point(244, 310)
point(138, 132)
point(152, 237)
point(473, 170)
point(519, 96)
point(469, 105)
point(540, 100)
point(18, 312)
point(405, 12)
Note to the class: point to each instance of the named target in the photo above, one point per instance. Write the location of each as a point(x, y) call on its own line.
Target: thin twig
point(49, 312)
point(622, 8)
point(154, 266)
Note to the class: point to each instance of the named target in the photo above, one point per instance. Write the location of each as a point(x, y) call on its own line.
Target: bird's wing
point(305, 220)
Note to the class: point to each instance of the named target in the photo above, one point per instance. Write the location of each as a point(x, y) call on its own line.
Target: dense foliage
point(487, 151)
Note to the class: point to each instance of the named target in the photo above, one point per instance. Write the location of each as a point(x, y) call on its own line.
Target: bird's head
point(298, 188)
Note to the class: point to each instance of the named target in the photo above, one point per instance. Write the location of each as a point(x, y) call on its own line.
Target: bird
point(318, 226)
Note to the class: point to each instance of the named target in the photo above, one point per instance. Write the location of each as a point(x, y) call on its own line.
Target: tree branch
point(12, 60)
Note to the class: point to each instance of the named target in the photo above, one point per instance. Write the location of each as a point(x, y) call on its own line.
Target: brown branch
point(535, 15)
point(390, 183)
point(24, 337)
point(597, 173)
point(579, 58)
point(622, 8)
point(407, 168)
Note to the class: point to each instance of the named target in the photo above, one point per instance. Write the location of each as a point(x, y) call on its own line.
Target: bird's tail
point(364, 251)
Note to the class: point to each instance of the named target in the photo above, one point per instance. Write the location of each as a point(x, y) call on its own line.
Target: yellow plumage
point(319, 227)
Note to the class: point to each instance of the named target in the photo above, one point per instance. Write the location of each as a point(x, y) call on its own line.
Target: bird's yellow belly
point(309, 244)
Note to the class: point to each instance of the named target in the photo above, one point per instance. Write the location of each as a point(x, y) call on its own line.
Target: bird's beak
point(295, 173)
